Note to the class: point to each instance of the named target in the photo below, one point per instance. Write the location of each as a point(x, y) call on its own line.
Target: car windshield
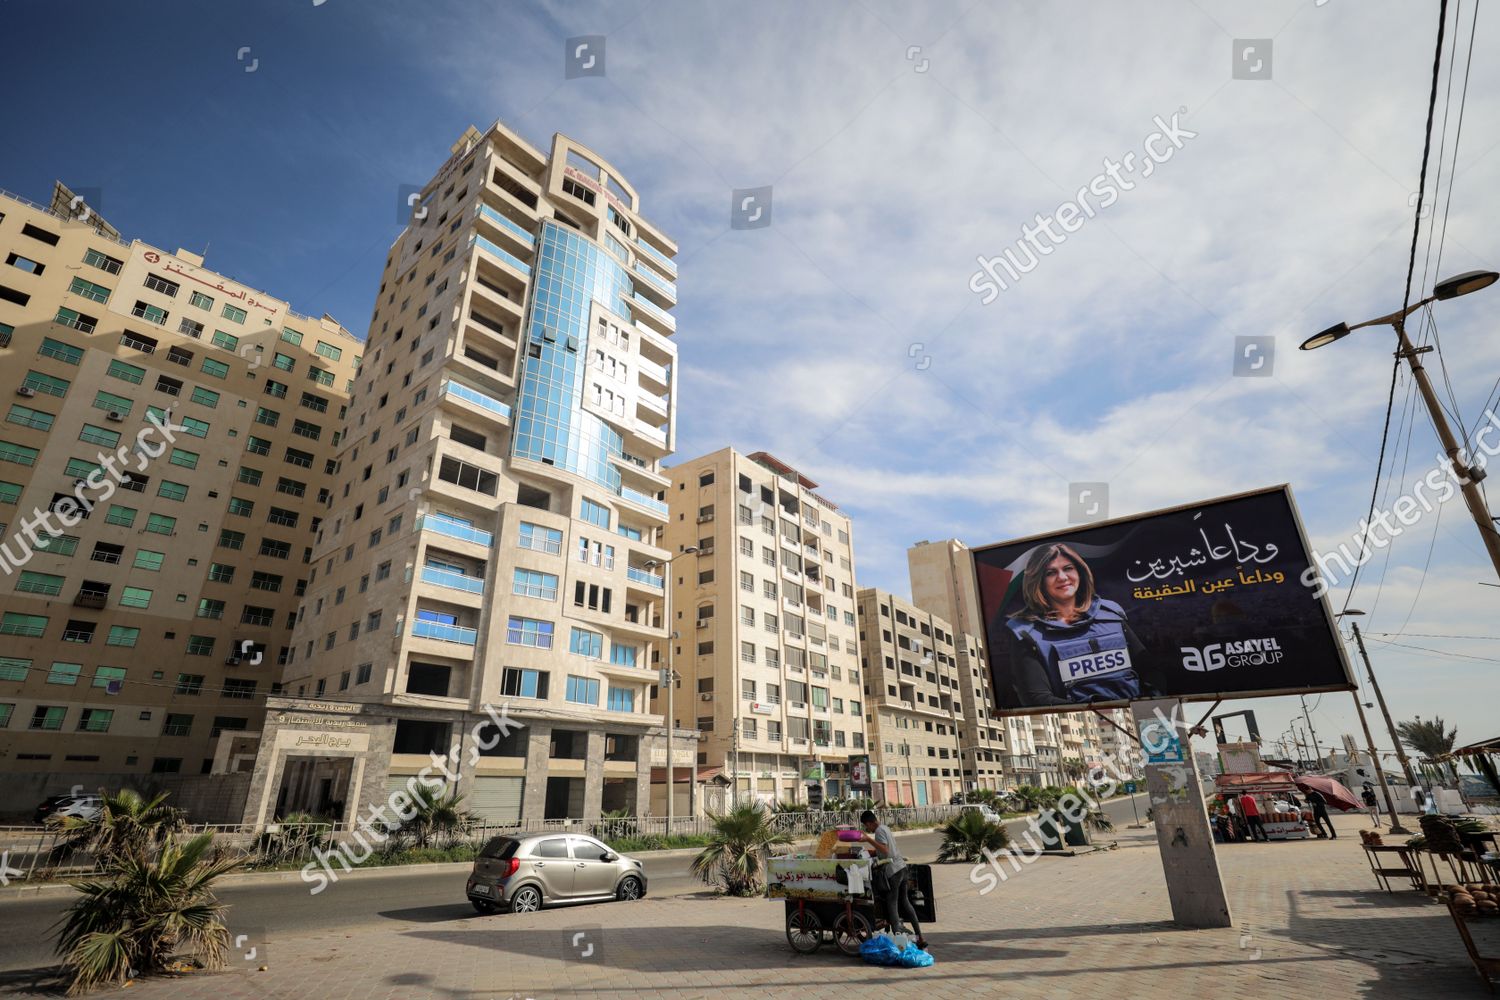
point(503, 848)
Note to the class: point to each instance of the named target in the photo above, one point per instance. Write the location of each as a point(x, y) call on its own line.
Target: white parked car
point(983, 810)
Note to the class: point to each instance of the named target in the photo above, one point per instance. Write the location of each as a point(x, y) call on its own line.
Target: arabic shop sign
point(1195, 602)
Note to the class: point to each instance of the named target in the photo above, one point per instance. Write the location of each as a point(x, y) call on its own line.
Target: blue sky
point(902, 141)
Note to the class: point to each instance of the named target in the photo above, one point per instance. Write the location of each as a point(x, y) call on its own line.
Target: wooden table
point(1410, 867)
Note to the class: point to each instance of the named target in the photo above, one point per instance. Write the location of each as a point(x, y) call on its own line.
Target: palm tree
point(436, 814)
point(1073, 768)
point(1428, 738)
point(1030, 796)
point(967, 835)
point(127, 824)
point(145, 908)
point(735, 858)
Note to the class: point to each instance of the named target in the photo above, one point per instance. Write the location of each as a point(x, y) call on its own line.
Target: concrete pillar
point(1183, 834)
point(593, 775)
point(643, 774)
point(534, 792)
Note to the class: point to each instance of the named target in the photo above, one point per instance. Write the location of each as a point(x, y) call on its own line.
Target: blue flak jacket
point(1086, 660)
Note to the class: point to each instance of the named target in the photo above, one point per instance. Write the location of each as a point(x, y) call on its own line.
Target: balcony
point(473, 396)
point(649, 579)
point(655, 283)
point(650, 503)
point(512, 229)
point(90, 599)
point(659, 377)
point(657, 256)
point(504, 256)
point(655, 316)
point(444, 633)
point(456, 581)
point(441, 525)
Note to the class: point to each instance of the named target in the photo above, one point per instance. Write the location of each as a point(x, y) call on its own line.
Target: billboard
point(1197, 602)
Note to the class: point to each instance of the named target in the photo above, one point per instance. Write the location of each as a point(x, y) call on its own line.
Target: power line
point(1436, 635)
point(1441, 652)
point(1416, 229)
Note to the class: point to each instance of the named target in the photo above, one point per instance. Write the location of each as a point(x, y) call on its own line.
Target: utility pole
point(1411, 779)
point(1385, 787)
point(1468, 476)
point(1313, 735)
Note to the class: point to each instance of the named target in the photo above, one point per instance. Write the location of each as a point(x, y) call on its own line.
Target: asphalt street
point(265, 910)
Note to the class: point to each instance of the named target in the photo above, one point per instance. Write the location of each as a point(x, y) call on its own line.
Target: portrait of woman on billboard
point(1067, 644)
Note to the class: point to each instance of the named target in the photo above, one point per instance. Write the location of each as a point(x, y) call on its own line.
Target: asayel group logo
point(1246, 653)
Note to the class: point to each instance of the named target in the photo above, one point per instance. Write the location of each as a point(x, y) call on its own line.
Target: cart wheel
point(804, 931)
point(850, 930)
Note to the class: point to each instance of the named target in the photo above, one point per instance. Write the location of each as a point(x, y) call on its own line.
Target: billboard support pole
point(1183, 835)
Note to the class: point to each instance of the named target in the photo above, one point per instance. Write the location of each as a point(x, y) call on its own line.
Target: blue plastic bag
point(881, 950)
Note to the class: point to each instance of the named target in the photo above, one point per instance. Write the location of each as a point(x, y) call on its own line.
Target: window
point(64, 673)
point(291, 336)
point(89, 290)
point(161, 524)
point(104, 677)
point(282, 516)
point(103, 262)
point(121, 635)
point(319, 375)
point(144, 558)
point(265, 581)
point(269, 417)
point(258, 446)
point(517, 682)
point(540, 539)
point(19, 454)
point(275, 549)
point(205, 397)
point(303, 459)
point(135, 597)
point(95, 720)
point(172, 491)
point(283, 362)
point(583, 690)
point(621, 699)
point(177, 724)
point(530, 583)
point(184, 458)
point(308, 430)
point(10, 493)
point(39, 583)
point(747, 582)
point(290, 487)
point(593, 513)
point(529, 632)
point(210, 608)
point(275, 388)
point(622, 655)
point(328, 351)
point(218, 369)
point(236, 688)
point(195, 427)
point(48, 717)
point(13, 668)
point(200, 645)
point(227, 341)
point(57, 350)
point(230, 539)
point(233, 313)
point(201, 301)
point(591, 596)
point(586, 643)
point(80, 631)
point(122, 516)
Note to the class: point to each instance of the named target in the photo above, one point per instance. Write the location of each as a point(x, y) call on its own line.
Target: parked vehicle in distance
point(983, 810)
point(522, 872)
point(82, 806)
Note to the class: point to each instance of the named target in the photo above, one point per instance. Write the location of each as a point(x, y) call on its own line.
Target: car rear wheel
point(483, 905)
point(526, 900)
point(630, 888)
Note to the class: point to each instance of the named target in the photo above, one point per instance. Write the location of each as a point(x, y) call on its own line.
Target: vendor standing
point(879, 837)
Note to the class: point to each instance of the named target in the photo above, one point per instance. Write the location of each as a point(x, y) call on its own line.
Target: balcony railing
point(477, 398)
point(655, 280)
point(515, 229)
point(453, 529)
point(656, 371)
point(444, 633)
point(638, 301)
point(641, 576)
point(505, 255)
point(642, 500)
point(656, 255)
point(448, 578)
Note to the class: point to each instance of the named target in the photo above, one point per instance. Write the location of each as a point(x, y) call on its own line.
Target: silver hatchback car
point(522, 872)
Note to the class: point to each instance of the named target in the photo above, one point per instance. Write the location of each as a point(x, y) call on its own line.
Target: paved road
point(286, 908)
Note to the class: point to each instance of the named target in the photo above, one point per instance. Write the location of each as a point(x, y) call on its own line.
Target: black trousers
point(898, 894)
point(1256, 826)
point(1320, 819)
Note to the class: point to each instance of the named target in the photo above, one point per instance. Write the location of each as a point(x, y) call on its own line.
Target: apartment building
point(764, 609)
point(168, 444)
point(914, 688)
point(498, 510)
point(981, 734)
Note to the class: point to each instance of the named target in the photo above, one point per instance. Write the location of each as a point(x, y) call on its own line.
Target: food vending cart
point(1272, 791)
point(832, 898)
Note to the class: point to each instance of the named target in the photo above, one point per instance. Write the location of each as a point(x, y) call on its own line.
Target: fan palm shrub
point(968, 835)
point(128, 824)
point(735, 858)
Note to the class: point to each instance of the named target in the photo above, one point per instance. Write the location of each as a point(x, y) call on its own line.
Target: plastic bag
point(881, 950)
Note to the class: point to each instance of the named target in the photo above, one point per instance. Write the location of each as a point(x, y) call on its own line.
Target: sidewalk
point(1309, 923)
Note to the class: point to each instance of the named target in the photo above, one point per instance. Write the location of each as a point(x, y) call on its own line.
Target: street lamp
point(1468, 476)
point(669, 677)
point(1390, 802)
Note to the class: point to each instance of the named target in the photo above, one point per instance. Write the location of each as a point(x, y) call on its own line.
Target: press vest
point(1088, 660)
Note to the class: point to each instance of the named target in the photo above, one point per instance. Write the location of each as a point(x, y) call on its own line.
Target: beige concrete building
point(498, 506)
point(765, 610)
point(150, 575)
point(914, 684)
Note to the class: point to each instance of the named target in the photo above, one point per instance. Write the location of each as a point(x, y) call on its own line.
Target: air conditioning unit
point(26, 391)
point(705, 518)
point(231, 660)
point(115, 415)
point(703, 623)
point(706, 696)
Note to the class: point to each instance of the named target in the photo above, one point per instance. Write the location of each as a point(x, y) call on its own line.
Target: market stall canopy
point(1333, 791)
point(1262, 782)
